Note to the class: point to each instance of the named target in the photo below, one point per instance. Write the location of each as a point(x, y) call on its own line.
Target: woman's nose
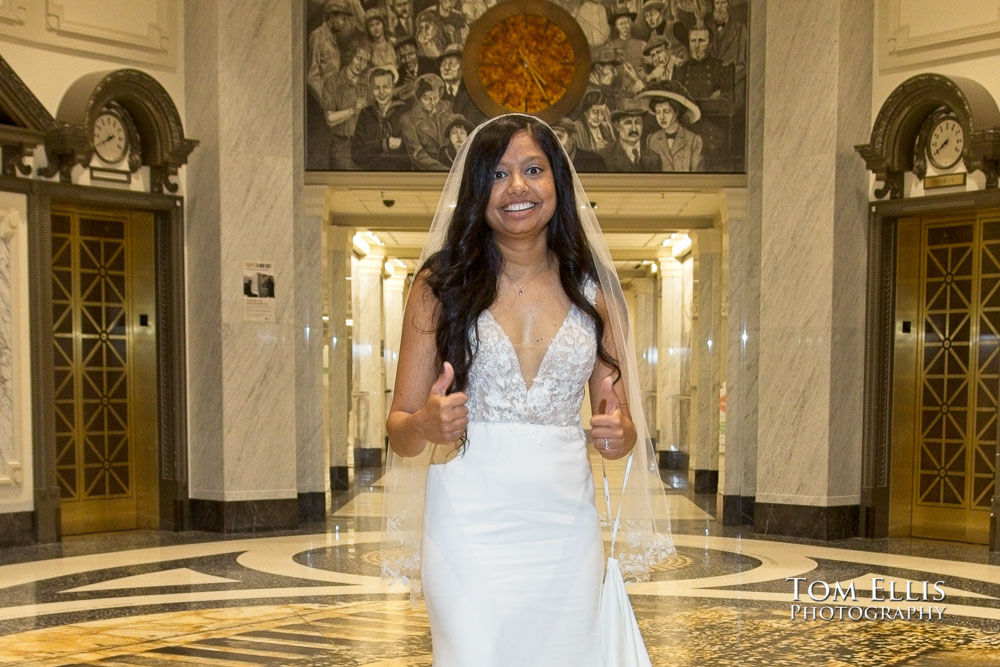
point(516, 184)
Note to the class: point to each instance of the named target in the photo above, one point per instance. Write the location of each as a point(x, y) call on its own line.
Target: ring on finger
point(607, 445)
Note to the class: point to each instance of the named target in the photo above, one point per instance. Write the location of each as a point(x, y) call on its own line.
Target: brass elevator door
point(957, 359)
point(103, 346)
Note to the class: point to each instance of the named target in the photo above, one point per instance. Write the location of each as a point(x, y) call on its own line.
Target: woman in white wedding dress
point(504, 326)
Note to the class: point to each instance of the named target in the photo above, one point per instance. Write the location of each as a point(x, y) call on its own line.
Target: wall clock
point(946, 143)
point(529, 56)
point(111, 140)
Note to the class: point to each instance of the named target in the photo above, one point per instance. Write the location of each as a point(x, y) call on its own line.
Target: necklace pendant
point(520, 292)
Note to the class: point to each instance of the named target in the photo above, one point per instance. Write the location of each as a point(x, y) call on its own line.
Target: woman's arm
point(421, 410)
point(611, 421)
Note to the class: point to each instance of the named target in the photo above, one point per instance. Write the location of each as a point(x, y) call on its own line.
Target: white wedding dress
point(512, 553)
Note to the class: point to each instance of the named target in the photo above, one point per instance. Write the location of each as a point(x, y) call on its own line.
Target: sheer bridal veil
point(644, 534)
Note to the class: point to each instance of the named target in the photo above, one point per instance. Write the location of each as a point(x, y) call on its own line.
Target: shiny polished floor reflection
point(314, 598)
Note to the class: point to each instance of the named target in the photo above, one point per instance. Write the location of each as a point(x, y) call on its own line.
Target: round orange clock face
point(530, 57)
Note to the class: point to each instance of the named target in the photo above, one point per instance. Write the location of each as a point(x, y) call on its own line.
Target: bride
point(514, 310)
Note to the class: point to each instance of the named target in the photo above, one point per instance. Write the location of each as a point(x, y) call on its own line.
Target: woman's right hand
point(443, 417)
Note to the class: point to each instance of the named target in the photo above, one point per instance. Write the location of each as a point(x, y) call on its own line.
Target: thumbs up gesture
point(444, 416)
point(611, 429)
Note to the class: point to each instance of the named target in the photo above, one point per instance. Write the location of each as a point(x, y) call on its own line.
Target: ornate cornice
point(890, 152)
point(29, 122)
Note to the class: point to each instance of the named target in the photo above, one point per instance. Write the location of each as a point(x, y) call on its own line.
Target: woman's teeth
point(514, 208)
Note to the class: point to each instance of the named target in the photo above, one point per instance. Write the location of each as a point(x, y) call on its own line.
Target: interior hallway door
point(104, 353)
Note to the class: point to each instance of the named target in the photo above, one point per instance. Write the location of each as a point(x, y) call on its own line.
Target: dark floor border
point(817, 523)
point(244, 516)
point(339, 478)
point(17, 529)
point(312, 507)
point(706, 481)
point(673, 460)
point(737, 510)
point(367, 457)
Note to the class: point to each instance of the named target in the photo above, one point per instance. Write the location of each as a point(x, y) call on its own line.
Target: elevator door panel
point(103, 451)
point(958, 374)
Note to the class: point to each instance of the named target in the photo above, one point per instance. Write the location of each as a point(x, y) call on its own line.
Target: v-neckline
point(513, 350)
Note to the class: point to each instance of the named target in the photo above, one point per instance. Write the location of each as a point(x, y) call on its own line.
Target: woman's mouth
point(518, 207)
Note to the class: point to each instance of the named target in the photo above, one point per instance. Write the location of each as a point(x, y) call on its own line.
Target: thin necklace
point(520, 288)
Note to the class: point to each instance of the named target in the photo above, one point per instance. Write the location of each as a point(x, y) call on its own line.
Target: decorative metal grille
point(89, 302)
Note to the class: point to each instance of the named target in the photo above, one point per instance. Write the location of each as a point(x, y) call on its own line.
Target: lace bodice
point(496, 390)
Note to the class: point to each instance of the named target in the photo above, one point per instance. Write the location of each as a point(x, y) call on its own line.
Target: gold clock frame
point(504, 11)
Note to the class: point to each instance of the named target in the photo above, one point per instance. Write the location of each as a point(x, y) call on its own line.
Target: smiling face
point(382, 88)
point(523, 197)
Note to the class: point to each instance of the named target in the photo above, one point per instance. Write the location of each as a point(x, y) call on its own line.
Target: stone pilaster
point(338, 376)
point(368, 369)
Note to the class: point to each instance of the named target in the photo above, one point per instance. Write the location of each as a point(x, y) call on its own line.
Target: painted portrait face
point(457, 136)
point(596, 114)
point(382, 88)
point(659, 55)
point(376, 29)
point(429, 100)
point(623, 26)
point(338, 21)
point(402, 8)
point(523, 198)
point(408, 56)
point(630, 129)
point(721, 11)
point(567, 139)
point(666, 116)
point(604, 73)
point(359, 63)
point(451, 69)
point(426, 31)
point(698, 43)
point(653, 17)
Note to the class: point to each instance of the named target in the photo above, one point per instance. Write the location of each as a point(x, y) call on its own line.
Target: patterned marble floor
point(314, 598)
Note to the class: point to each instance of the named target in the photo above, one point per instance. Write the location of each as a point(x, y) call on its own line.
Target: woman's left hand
point(612, 431)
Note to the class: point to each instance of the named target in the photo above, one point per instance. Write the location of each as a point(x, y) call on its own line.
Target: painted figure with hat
point(383, 52)
point(662, 61)
point(627, 153)
point(582, 159)
point(377, 143)
point(652, 20)
point(621, 19)
point(456, 28)
point(410, 65)
point(455, 92)
point(343, 99)
point(401, 20)
point(592, 16)
point(678, 148)
point(324, 48)
point(711, 86)
point(423, 125)
point(431, 36)
point(456, 132)
point(594, 124)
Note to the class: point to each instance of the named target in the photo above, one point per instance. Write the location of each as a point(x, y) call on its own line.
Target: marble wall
point(16, 483)
point(707, 359)
point(812, 258)
point(244, 183)
point(368, 368)
point(668, 375)
point(644, 319)
point(338, 401)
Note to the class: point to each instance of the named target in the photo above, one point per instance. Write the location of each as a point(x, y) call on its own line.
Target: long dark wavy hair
point(463, 275)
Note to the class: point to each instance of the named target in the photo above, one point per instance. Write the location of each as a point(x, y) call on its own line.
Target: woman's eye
point(534, 171)
point(498, 175)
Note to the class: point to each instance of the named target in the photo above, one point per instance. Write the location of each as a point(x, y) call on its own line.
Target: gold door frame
point(171, 397)
point(878, 426)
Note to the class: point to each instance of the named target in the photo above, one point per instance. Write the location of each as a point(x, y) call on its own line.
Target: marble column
point(368, 368)
point(338, 376)
point(812, 267)
point(644, 319)
point(392, 308)
point(707, 356)
point(243, 204)
point(742, 333)
point(310, 456)
point(671, 443)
